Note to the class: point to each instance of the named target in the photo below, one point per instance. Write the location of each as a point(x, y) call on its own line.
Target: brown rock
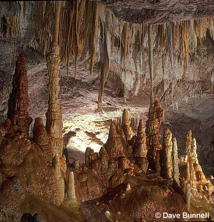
point(155, 118)
point(123, 163)
point(126, 125)
point(88, 154)
point(167, 164)
point(18, 102)
point(140, 149)
point(114, 145)
point(40, 135)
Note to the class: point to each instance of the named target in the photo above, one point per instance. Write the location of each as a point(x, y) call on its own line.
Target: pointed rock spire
point(19, 102)
point(114, 145)
point(126, 125)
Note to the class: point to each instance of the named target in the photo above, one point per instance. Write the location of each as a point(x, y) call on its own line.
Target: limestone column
point(54, 124)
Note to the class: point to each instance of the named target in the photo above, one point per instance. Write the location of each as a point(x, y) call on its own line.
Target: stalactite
point(171, 46)
point(94, 39)
point(178, 40)
point(151, 63)
point(105, 62)
point(184, 43)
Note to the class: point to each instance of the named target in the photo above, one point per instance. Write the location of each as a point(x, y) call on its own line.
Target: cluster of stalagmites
point(146, 153)
point(36, 166)
point(29, 166)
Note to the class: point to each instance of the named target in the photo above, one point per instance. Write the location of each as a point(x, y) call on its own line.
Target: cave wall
point(129, 74)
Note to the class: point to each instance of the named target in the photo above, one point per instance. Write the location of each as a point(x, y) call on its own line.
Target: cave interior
point(106, 111)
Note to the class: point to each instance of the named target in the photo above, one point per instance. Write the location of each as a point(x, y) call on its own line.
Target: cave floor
point(88, 128)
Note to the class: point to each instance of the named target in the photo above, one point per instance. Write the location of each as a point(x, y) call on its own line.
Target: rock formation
point(194, 182)
point(155, 118)
point(176, 173)
point(18, 102)
point(40, 135)
point(54, 123)
point(114, 145)
point(126, 125)
point(167, 161)
point(71, 187)
point(140, 149)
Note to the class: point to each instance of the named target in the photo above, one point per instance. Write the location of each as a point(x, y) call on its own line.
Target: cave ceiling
point(160, 11)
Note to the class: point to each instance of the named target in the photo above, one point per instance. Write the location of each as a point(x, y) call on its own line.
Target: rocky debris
point(153, 124)
point(19, 102)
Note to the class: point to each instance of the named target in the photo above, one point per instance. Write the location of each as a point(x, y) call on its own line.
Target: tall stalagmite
point(153, 124)
point(176, 173)
point(167, 166)
point(19, 101)
point(54, 124)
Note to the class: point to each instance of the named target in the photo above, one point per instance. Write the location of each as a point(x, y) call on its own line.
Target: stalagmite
point(71, 187)
point(126, 125)
point(176, 173)
point(188, 196)
point(140, 149)
point(188, 150)
point(54, 123)
point(88, 153)
point(114, 145)
point(155, 118)
point(104, 157)
point(40, 135)
point(167, 154)
point(18, 102)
